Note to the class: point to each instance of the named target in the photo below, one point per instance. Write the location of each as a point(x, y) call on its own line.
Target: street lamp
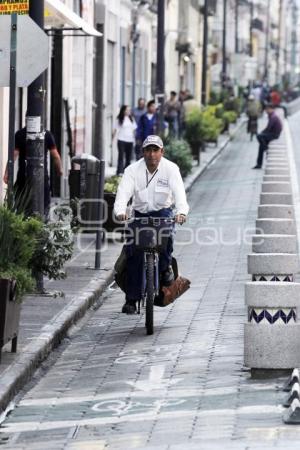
point(160, 68)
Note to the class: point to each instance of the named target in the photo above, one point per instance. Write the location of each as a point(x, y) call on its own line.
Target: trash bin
point(84, 185)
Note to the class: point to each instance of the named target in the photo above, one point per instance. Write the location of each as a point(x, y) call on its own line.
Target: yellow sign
point(14, 6)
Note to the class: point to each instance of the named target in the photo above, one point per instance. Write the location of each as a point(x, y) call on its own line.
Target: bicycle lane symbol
point(119, 408)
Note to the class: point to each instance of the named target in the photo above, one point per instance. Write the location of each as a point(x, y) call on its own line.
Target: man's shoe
point(256, 167)
point(167, 277)
point(129, 307)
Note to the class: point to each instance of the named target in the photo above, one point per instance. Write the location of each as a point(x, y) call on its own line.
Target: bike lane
point(109, 386)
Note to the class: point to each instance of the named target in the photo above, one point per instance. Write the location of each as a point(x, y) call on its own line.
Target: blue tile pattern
point(272, 316)
point(287, 278)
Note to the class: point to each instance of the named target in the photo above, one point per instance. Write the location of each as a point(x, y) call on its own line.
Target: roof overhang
point(57, 15)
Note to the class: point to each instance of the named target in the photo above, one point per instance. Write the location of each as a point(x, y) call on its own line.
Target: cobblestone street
point(109, 386)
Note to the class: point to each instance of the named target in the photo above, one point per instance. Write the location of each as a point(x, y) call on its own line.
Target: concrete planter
point(276, 198)
point(272, 346)
point(280, 186)
point(276, 178)
point(274, 243)
point(275, 226)
point(275, 211)
point(273, 295)
point(276, 159)
point(273, 264)
point(277, 171)
point(277, 166)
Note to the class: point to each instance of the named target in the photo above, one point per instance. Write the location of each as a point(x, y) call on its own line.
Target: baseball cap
point(153, 140)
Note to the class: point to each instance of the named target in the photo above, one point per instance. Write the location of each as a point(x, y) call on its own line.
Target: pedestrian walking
point(172, 113)
point(125, 131)
point(270, 133)
point(253, 112)
point(148, 123)
point(137, 114)
point(155, 184)
point(20, 154)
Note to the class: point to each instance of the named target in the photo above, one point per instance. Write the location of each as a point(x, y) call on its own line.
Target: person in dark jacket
point(271, 132)
point(148, 123)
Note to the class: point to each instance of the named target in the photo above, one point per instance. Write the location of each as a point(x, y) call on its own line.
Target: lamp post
point(236, 20)
point(160, 68)
point(204, 53)
point(266, 72)
point(135, 35)
point(224, 62)
point(250, 29)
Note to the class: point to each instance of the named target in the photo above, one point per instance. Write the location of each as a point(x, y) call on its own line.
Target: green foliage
point(230, 116)
point(111, 184)
point(179, 151)
point(233, 104)
point(194, 128)
point(18, 241)
point(212, 126)
point(203, 126)
point(214, 98)
point(55, 246)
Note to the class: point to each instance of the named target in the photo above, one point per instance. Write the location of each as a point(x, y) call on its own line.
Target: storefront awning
point(58, 15)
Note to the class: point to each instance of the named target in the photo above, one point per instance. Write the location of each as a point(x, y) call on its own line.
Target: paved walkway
point(44, 321)
point(109, 386)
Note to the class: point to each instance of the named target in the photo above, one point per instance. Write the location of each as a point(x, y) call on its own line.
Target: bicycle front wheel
point(149, 292)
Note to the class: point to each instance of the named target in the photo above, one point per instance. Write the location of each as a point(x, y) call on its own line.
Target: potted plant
point(194, 132)
point(179, 152)
point(110, 191)
point(18, 241)
point(55, 245)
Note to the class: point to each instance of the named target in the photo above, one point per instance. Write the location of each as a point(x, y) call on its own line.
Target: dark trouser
point(124, 149)
point(135, 259)
point(264, 139)
point(173, 126)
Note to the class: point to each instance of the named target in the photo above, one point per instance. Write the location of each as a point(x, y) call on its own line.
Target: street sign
point(14, 6)
point(32, 50)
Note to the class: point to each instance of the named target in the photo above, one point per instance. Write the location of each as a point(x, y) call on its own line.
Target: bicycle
point(151, 238)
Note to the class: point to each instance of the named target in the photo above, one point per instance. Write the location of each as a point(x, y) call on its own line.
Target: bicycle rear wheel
point(149, 292)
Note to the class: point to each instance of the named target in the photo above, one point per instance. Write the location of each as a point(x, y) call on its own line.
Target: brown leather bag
point(177, 288)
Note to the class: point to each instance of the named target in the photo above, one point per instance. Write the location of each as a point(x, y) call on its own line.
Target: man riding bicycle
point(155, 185)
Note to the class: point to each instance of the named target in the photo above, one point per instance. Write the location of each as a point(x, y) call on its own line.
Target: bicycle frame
point(156, 277)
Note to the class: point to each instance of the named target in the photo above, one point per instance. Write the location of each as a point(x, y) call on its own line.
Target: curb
point(20, 372)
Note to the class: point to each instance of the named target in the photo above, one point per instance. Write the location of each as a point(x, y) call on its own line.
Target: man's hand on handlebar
point(180, 218)
point(122, 217)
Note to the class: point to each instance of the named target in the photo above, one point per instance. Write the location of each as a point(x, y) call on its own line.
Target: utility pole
point(250, 29)
point(35, 149)
point(266, 73)
point(224, 62)
point(160, 69)
point(204, 53)
point(236, 20)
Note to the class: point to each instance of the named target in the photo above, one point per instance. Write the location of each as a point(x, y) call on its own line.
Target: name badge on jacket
point(162, 182)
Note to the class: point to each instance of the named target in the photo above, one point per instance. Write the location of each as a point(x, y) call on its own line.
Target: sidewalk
point(45, 321)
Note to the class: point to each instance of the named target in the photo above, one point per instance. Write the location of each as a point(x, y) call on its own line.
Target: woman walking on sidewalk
point(125, 129)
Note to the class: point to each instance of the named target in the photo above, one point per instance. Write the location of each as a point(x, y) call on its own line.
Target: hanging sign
point(14, 6)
